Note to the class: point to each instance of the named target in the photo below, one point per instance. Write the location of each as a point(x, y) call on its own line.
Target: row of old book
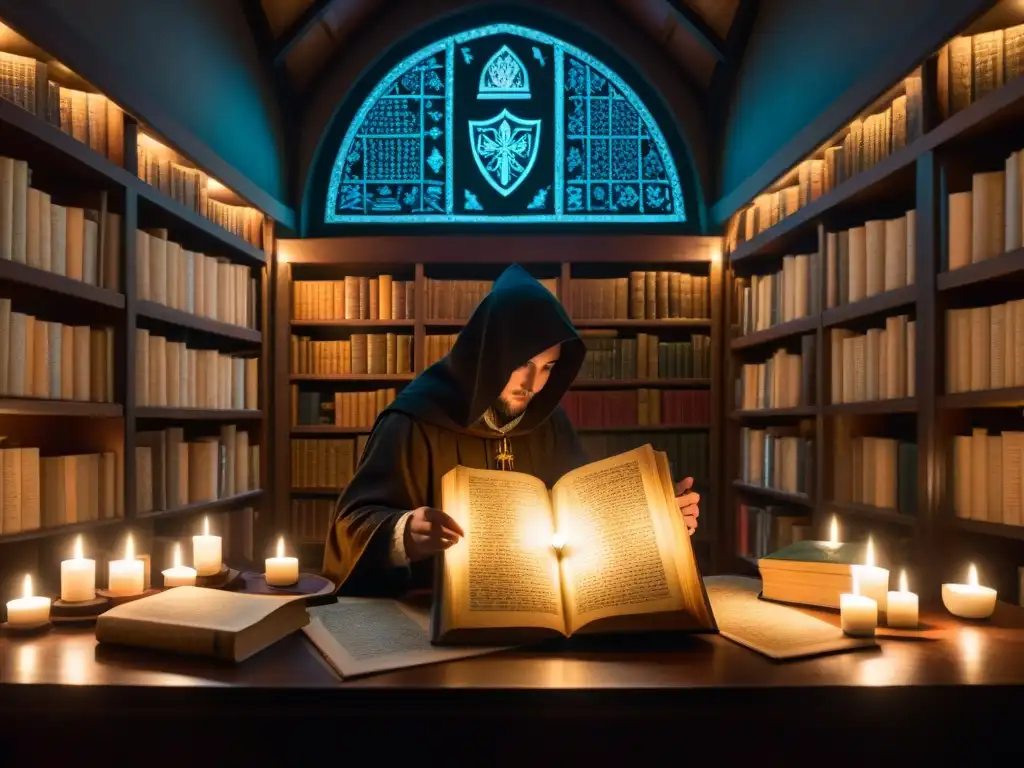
point(688, 452)
point(644, 357)
point(865, 142)
point(172, 472)
point(644, 295)
point(48, 491)
point(163, 168)
point(876, 365)
point(327, 464)
point(760, 531)
point(52, 361)
point(79, 242)
point(205, 286)
point(984, 347)
point(987, 475)
point(361, 353)
point(766, 300)
point(785, 380)
point(640, 407)
point(779, 458)
point(311, 520)
point(987, 219)
point(875, 471)
point(354, 298)
point(969, 67)
point(355, 410)
point(173, 375)
point(870, 259)
point(457, 299)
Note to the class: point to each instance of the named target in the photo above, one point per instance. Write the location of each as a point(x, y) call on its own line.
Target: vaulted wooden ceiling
point(302, 36)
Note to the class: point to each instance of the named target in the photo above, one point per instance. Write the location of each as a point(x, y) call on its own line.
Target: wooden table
point(593, 698)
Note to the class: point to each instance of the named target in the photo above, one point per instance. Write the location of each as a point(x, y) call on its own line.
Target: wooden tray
point(120, 599)
point(30, 629)
point(78, 613)
point(311, 585)
point(225, 579)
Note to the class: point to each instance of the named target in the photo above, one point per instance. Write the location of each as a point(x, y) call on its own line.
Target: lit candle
point(127, 577)
point(29, 610)
point(206, 552)
point(874, 581)
point(858, 614)
point(180, 575)
point(557, 542)
point(282, 571)
point(77, 577)
point(969, 601)
point(901, 607)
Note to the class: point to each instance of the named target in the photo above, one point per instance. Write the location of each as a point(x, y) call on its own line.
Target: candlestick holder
point(25, 629)
point(82, 612)
point(115, 600)
point(225, 578)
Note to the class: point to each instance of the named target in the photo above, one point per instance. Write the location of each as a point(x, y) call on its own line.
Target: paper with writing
point(360, 636)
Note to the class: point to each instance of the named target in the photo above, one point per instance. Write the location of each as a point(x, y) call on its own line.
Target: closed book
point(810, 572)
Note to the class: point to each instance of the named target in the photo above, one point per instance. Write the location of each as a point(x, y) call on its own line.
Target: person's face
point(527, 380)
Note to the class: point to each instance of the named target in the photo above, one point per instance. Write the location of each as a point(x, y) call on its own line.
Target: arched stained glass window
point(503, 124)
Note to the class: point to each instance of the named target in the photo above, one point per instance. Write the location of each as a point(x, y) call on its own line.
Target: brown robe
point(435, 425)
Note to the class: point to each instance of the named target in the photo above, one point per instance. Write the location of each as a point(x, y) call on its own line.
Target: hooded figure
point(491, 403)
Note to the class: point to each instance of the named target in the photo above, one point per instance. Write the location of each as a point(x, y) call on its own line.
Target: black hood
point(516, 321)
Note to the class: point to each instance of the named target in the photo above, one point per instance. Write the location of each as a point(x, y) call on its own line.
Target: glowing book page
point(360, 636)
point(503, 573)
point(618, 558)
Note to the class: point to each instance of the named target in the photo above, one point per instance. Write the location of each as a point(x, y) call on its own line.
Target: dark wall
point(188, 67)
point(809, 66)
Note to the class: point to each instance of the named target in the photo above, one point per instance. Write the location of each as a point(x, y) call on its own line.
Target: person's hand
point(687, 501)
point(429, 531)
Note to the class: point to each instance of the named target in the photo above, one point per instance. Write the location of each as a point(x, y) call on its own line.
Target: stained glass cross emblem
point(505, 149)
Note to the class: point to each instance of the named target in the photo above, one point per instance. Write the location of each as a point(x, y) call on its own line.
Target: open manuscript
point(627, 564)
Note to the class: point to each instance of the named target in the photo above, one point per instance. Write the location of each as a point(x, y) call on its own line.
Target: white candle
point(179, 575)
point(28, 610)
point(282, 571)
point(874, 581)
point(206, 552)
point(970, 600)
point(901, 607)
point(77, 577)
point(127, 577)
point(858, 614)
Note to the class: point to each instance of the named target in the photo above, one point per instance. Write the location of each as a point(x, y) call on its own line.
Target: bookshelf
point(419, 262)
point(933, 536)
point(84, 167)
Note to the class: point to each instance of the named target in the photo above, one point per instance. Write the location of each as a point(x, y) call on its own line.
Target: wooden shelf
point(195, 414)
point(649, 428)
point(987, 529)
point(353, 323)
point(59, 530)
point(215, 505)
point(1011, 397)
point(879, 304)
point(776, 333)
point(67, 408)
point(640, 324)
point(328, 429)
point(197, 223)
point(22, 274)
point(869, 512)
point(867, 407)
point(368, 377)
point(179, 319)
point(648, 383)
point(800, 499)
point(801, 412)
point(1010, 263)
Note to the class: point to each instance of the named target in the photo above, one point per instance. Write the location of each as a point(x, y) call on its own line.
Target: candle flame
point(833, 534)
point(280, 546)
point(78, 548)
point(206, 526)
point(129, 548)
point(869, 559)
point(557, 541)
point(28, 585)
point(903, 581)
point(856, 582)
point(972, 576)
point(177, 555)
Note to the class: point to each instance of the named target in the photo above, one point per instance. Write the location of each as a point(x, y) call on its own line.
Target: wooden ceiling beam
point(700, 29)
point(298, 29)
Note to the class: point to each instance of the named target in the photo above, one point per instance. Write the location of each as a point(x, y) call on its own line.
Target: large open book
point(627, 563)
